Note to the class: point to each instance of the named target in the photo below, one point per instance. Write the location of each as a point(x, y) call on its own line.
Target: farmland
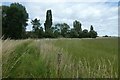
point(60, 58)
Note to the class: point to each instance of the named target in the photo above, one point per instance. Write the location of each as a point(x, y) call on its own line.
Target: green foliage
point(14, 21)
point(49, 33)
point(91, 27)
point(48, 25)
point(92, 33)
point(63, 29)
point(57, 30)
point(37, 29)
point(85, 33)
point(48, 22)
point(36, 24)
point(73, 33)
point(77, 26)
point(5, 28)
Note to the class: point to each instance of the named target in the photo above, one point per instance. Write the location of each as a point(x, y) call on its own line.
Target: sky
point(102, 15)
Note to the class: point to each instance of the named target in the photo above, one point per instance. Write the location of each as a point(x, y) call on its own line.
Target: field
point(60, 58)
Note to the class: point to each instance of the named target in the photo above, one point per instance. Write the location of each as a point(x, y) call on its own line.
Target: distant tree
point(14, 21)
point(63, 28)
point(49, 33)
point(106, 36)
point(36, 24)
point(48, 23)
point(37, 29)
point(56, 31)
point(41, 33)
point(77, 26)
point(80, 34)
point(91, 27)
point(85, 33)
point(92, 33)
point(73, 33)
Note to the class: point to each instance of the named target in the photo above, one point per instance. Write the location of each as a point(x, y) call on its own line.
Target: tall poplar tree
point(48, 22)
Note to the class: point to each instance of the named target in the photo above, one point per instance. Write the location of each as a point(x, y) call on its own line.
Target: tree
point(37, 29)
point(15, 18)
point(48, 22)
point(55, 31)
point(36, 24)
point(91, 27)
point(41, 33)
point(85, 33)
point(92, 33)
point(5, 28)
point(77, 26)
point(64, 29)
point(73, 33)
point(49, 33)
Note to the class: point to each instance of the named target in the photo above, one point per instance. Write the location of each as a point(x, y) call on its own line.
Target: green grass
point(90, 48)
point(79, 58)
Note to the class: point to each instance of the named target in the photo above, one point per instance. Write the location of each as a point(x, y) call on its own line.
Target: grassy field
point(60, 58)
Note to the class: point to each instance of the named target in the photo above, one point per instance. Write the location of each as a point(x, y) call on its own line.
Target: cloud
point(54, 1)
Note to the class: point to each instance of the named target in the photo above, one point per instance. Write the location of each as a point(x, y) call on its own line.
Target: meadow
point(60, 58)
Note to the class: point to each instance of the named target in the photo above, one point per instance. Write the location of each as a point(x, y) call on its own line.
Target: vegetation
point(15, 16)
point(68, 55)
point(37, 29)
point(56, 58)
point(14, 19)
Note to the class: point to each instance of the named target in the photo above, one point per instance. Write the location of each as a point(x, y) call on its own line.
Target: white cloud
point(54, 1)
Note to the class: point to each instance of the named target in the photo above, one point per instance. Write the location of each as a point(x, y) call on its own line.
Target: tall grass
point(69, 66)
point(11, 52)
point(58, 59)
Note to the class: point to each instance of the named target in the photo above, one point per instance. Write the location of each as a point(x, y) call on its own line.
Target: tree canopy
point(14, 21)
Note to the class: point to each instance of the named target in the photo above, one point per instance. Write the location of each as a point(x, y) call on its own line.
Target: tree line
point(14, 22)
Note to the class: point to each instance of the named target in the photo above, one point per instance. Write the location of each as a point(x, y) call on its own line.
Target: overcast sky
point(102, 15)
